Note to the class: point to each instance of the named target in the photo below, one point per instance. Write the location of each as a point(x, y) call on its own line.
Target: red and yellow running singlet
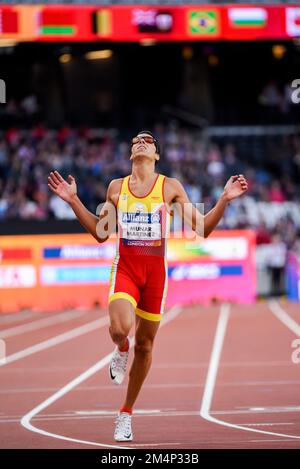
point(139, 272)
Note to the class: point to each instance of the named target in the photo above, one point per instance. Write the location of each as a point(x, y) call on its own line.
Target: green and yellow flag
point(203, 22)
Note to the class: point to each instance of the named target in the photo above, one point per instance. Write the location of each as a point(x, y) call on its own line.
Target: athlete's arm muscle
point(178, 198)
point(205, 224)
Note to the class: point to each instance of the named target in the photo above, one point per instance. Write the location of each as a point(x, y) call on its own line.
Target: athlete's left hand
point(235, 187)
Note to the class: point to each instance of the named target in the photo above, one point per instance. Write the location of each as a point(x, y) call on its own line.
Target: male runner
point(140, 205)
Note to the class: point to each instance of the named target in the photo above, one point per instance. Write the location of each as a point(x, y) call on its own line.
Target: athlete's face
point(143, 146)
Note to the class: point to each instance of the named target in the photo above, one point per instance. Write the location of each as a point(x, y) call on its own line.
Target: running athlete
point(140, 205)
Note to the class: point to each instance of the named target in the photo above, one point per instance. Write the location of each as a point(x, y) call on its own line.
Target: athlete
point(140, 205)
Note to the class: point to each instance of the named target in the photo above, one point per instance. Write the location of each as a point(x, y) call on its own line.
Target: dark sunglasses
point(147, 139)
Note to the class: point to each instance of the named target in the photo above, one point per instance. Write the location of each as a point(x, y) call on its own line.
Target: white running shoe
point(118, 365)
point(123, 431)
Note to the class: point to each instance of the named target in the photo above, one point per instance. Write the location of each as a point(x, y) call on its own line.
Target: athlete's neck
point(142, 170)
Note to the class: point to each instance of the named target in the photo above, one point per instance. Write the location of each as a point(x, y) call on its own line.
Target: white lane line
point(253, 410)
point(224, 365)
point(40, 323)
point(284, 317)
point(26, 420)
point(205, 409)
point(58, 339)
point(171, 385)
point(16, 317)
point(142, 445)
point(214, 360)
point(275, 440)
point(267, 424)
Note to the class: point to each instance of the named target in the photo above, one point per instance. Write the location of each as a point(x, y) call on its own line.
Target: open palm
point(65, 190)
point(235, 187)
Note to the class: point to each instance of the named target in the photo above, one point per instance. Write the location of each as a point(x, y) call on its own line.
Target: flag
point(57, 22)
point(293, 21)
point(8, 21)
point(248, 17)
point(203, 22)
point(104, 22)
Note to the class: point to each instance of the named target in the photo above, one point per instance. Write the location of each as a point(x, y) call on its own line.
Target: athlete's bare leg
point(144, 338)
point(121, 314)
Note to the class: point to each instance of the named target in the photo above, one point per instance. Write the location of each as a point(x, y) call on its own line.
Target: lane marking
point(224, 365)
point(266, 424)
point(142, 445)
point(205, 409)
point(214, 361)
point(40, 324)
point(291, 408)
point(113, 412)
point(16, 317)
point(275, 440)
point(58, 339)
point(284, 317)
point(62, 417)
point(266, 410)
point(26, 419)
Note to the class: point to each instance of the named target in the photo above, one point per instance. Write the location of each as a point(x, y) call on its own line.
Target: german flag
point(56, 22)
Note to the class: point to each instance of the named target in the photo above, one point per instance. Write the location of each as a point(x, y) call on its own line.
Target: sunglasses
point(147, 139)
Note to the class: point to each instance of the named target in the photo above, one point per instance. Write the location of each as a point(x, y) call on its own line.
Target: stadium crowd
point(95, 156)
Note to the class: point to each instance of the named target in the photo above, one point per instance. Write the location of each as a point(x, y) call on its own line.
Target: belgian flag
point(102, 22)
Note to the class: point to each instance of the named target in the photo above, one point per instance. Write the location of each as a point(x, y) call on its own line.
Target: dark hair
point(148, 132)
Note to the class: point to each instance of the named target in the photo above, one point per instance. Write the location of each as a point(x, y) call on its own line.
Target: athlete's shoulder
point(173, 183)
point(114, 184)
point(114, 189)
point(173, 189)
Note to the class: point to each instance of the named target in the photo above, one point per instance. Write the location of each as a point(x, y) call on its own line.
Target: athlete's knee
point(143, 346)
point(118, 332)
point(121, 321)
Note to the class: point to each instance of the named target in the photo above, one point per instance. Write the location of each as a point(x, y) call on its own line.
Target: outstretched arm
point(99, 227)
point(205, 224)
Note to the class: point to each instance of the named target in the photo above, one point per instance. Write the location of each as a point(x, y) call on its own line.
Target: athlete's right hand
point(64, 190)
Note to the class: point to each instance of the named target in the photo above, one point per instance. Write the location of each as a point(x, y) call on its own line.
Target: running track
point(222, 377)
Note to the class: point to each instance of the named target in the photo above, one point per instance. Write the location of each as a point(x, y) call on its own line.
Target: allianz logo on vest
point(155, 218)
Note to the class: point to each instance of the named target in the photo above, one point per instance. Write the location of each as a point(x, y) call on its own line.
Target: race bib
point(141, 229)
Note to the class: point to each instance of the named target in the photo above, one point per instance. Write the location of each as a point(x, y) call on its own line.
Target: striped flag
point(57, 22)
point(103, 22)
point(248, 17)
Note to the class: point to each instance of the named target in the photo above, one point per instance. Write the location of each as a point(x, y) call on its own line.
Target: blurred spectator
point(276, 194)
point(95, 156)
point(276, 264)
point(270, 100)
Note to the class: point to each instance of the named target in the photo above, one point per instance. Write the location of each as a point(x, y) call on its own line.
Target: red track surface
point(257, 385)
